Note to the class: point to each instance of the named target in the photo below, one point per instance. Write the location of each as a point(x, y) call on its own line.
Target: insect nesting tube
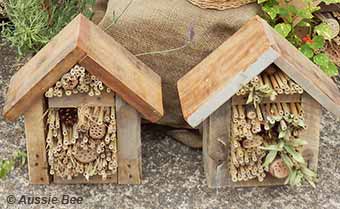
point(81, 141)
point(263, 122)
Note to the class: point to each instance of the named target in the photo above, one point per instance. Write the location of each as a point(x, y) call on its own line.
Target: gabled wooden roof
point(244, 55)
point(84, 43)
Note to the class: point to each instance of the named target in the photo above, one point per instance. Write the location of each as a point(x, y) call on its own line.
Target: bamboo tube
point(243, 92)
point(285, 109)
point(279, 81)
point(258, 126)
point(280, 109)
point(241, 111)
point(294, 109)
point(283, 125)
point(235, 112)
point(283, 78)
point(274, 83)
point(259, 113)
point(251, 112)
point(300, 90)
point(273, 109)
point(261, 80)
point(266, 80)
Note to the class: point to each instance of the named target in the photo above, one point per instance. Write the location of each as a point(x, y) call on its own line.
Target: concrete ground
point(172, 174)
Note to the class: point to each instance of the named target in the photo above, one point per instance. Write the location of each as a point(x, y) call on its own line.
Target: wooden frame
point(128, 136)
point(216, 145)
point(137, 88)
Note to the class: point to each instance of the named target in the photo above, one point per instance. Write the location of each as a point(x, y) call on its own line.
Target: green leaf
point(271, 10)
point(330, 69)
point(269, 159)
point(283, 28)
point(307, 51)
point(330, 1)
point(321, 59)
point(296, 156)
point(308, 172)
point(272, 147)
point(297, 142)
point(305, 13)
point(324, 30)
point(287, 161)
point(318, 42)
point(261, 1)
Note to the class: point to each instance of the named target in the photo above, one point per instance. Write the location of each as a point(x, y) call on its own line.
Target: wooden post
point(129, 143)
point(35, 140)
point(216, 133)
point(312, 114)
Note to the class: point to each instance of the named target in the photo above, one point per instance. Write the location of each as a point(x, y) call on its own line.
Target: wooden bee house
point(258, 99)
point(82, 97)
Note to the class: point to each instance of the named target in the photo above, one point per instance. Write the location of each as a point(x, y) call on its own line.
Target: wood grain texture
point(129, 143)
point(242, 100)
point(247, 53)
point(35, 142)
point(85, 43)
point(43, 70)
point(218, 77)
point(82, 180)
point(312, 116)
point(120, 70)
point(309, 76)
point(77, 100)
point(216, 133)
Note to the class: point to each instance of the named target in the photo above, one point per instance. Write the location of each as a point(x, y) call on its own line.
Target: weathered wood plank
point(120, 70)
point(216, 132)
point(82, 180)
point(129, 143)
point(218, 77)
point(77, 100)
point(35, 141)
point(241, 100)
point(34, 78)
point(312, 116)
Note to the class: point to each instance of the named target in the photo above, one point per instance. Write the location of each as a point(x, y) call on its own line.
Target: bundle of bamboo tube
point(253, 127)
point(71, 149)
point(257, 124)
point(270, 83)
point(77, 80)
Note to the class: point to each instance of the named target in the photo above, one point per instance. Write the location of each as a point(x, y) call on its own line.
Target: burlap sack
point(153, 25)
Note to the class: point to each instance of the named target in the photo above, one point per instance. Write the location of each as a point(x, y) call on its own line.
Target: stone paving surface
point(172, 173)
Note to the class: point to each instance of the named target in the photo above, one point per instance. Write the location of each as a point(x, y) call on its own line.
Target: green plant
point(287, 148)
point(33, 23)
point(286, 18)
point(6, 166)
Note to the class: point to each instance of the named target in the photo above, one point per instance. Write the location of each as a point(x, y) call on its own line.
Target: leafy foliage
point(33, 23)
point(286, 147)
point(282, 16)
point(6, 166)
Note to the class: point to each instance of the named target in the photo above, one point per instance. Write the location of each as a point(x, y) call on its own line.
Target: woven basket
point(220, 4)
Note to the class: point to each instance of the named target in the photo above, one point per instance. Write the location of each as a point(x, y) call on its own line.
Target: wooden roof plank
point(34, 78)
point(218, 77)
point(120, 70)
point(85, 43)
